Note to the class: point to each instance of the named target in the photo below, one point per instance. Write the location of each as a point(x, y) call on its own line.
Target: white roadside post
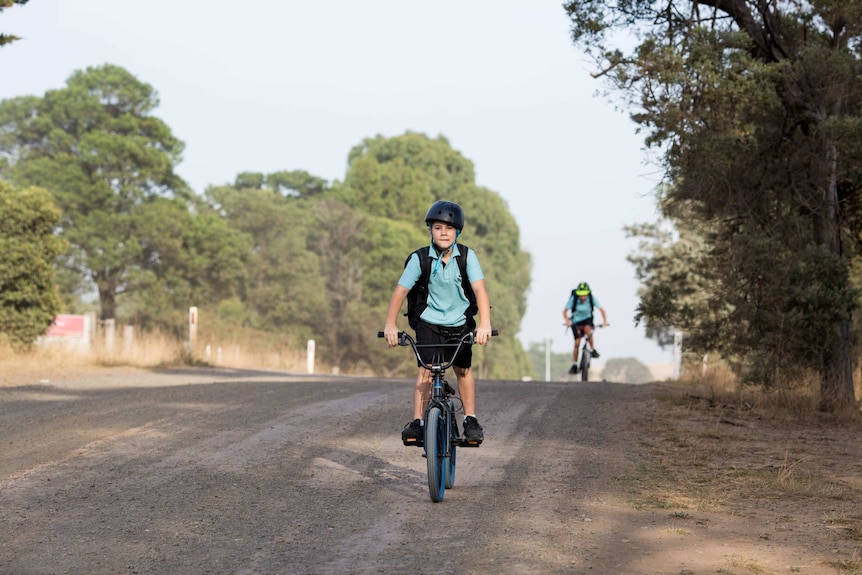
point(310, 356)
point(193, 327)
point(677, 353)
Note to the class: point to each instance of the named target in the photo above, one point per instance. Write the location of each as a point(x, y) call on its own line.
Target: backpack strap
point(473, 309)
point(417, 297)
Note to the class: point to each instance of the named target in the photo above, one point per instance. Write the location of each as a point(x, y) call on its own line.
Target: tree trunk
point(836, 390)
point(107, 303)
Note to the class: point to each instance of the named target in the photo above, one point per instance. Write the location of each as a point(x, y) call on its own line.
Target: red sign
point(67, 326)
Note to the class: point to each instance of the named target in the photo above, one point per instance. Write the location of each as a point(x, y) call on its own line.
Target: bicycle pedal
point(465, 443)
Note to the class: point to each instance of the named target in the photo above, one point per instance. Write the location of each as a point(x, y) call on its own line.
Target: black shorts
point(427, 333)
point(576, 327)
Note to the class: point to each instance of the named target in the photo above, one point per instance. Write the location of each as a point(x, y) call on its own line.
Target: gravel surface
point(240, 472)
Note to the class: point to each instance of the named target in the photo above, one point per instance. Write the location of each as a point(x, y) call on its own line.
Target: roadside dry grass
point(43, 363)
point(769, 456)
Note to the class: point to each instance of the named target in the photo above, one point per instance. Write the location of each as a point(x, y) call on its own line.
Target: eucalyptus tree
point(193, 257)
point(284, 289)
point(108, 162)
point(670, 264)
point(754, 109)
point(8, 38)
point(28, 300)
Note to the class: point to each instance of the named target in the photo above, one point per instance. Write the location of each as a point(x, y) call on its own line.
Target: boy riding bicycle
point(443, 310)
point(578, 315)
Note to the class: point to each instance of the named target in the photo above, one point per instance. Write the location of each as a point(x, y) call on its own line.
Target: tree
point(756, 108)
point(626, 370)
point(676, 292)
point(193, 258)
point(284, 291)
point(95, 145)
point(28, 300)
point(8, 38)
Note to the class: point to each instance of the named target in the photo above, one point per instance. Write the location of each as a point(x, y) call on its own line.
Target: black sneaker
point(594, 353)
point(574, 369)
point(472, 430)
point(413, 434)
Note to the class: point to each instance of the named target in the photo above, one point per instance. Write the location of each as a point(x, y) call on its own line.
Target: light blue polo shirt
point(582, 310)
point(446, 299)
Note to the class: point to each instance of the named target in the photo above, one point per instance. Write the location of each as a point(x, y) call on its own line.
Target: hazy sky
point(282, 85)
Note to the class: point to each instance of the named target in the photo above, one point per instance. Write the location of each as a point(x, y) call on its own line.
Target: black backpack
point(417, 297)
point(575, 302)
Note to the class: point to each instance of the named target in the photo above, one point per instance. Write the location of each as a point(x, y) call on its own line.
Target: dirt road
point(230, 472)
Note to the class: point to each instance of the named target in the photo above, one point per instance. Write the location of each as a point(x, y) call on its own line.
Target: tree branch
point(762, 34)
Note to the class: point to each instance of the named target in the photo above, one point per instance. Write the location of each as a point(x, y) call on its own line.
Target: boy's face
point(443, 234)
point(583, 298)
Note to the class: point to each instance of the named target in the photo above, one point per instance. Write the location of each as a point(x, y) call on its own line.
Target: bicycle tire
point(585, 365)
point(450, 467)
point(435, 447)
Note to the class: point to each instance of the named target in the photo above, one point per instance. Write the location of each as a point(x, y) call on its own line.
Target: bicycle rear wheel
point(435, 452)
point(450, 467)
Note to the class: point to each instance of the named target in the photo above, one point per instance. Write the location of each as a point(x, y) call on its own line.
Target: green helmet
point(582, 289)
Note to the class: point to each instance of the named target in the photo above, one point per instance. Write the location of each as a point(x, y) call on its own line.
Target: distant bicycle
point(441, 429)
point(586, 351)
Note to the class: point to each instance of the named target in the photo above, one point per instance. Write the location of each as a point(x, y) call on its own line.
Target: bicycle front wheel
point(450, 467)
point(585, 366)
point(435, 452)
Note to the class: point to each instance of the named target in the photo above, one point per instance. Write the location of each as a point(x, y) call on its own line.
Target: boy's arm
point(390, 331)
point(483, 302)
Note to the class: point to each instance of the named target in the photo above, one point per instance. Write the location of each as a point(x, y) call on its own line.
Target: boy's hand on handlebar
point(390, 332)
point(483, 334)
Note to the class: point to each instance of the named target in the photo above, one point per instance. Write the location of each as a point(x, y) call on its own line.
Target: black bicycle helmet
point(446, 212)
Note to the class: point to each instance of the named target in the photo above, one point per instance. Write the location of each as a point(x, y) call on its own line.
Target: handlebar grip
point(379, 334)
point(494, 332)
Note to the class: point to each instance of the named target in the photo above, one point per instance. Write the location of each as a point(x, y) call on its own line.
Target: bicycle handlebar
point(401, 334)
point(405, 339)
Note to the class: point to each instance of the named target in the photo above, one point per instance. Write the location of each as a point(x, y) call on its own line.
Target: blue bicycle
point(441, 429)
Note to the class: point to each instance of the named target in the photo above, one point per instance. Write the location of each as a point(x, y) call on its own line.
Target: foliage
point(284, 286)
point(193, 259)
point(28, 300)
point(108, 163)
point(8, 38)
point(755, 111)
point(626, 370)
point(670, 265)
